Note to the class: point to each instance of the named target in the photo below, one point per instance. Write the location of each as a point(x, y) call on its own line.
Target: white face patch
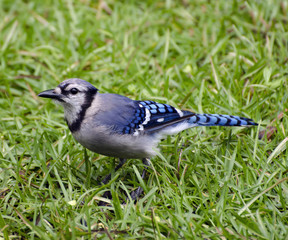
point(57, 90)
point(72, 103)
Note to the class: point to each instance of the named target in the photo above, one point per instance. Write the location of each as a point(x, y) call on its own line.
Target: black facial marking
point(63, 91)
point(89, 97)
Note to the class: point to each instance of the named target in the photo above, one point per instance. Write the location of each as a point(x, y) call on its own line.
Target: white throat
point(71, 113)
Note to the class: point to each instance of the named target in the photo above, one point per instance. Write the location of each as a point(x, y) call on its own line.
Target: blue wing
point(151, 116)
point(134, 117)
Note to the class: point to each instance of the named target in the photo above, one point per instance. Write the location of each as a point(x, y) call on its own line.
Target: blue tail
point(220, 120)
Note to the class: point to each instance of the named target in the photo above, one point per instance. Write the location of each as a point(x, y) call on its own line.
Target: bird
point(117, 126)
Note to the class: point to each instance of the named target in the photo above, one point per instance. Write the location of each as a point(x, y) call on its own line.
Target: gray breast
point(114, 144)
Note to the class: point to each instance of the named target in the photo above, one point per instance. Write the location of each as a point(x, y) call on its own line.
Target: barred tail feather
point(220, 120)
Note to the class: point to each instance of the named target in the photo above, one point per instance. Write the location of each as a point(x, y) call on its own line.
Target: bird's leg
point(136, 194)
point(108, 177)
point(107, 194)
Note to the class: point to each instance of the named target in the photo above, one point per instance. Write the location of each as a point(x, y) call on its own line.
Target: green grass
point(226, 57)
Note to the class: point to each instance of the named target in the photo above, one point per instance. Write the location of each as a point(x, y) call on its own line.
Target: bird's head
point(74, 94)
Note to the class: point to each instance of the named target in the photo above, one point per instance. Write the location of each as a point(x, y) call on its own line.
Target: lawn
point(226, 57)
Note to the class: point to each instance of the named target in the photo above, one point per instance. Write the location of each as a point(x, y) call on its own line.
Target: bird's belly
point(116, 145)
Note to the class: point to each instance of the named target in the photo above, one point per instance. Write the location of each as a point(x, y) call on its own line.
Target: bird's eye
point(74, 91)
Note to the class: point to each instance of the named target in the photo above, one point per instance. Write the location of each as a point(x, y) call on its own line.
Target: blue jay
point(116, 126)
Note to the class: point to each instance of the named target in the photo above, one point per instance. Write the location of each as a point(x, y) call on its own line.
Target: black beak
point(50, 94)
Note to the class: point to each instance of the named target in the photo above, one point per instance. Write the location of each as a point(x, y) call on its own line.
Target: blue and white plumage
point(114, 125)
